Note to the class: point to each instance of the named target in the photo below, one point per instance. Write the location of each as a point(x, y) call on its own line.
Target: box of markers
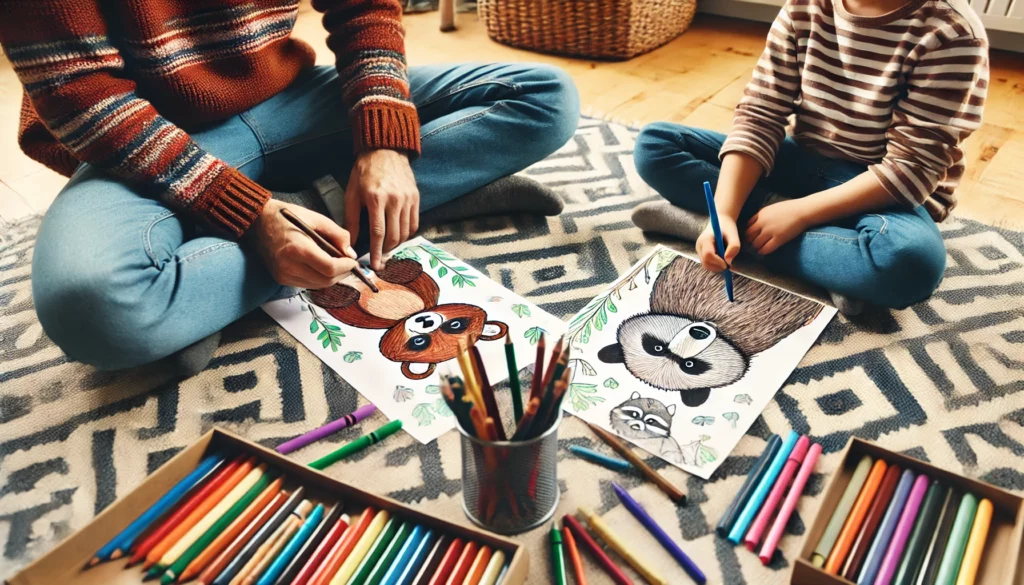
point(997, 557)
point(68, 563)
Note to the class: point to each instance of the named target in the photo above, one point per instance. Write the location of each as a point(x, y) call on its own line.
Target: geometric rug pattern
point(942, 381)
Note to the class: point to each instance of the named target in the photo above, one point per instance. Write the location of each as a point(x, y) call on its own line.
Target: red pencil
point(538, 370)
point(463, 564)
point(448, 562)
point(325, 572)
point(332, 538)
point(583, 537)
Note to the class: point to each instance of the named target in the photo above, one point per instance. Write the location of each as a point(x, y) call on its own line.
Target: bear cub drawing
point(693, 340)
point(419, 333)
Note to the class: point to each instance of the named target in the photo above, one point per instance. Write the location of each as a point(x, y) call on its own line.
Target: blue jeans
point(119, 279)
point(892, 258)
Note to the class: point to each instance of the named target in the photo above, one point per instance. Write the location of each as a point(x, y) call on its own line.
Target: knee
point(912, 272)
point(660, 148)
point(560, 102)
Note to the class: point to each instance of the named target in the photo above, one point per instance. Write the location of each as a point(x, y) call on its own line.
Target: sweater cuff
point(392, 127)
point(231, 203)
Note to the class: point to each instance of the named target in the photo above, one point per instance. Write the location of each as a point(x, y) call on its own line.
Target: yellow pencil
point(473, 391)
point(213, 515)
point(362, 547)
point(493, 570)
point(975, 544)
point(615, 543)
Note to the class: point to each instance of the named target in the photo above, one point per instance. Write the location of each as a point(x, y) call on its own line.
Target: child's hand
point(775, 225)
point(706, 250)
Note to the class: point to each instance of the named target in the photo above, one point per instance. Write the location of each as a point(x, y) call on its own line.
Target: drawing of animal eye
point(455, 325)
point(700, 332)
point(632, 412)
point(656, 421)
point(653, 345)
point(694, 366)
point(418, 343)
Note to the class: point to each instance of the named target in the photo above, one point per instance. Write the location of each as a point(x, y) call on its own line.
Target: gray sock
point(308, 198)
point(193, 359)
point(846, 305)
point(507, 195)
point(661, 217)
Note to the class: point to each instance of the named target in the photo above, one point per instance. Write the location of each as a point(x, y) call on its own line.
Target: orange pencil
point(476, 570)
point(461, 569)
point(204, 508)
point(444, 568)
point(853, 522)
point(211, 572)
point(538, 370)
point(182, 512)
point(549, 371)
point(569, 542)
point(523, 428)
point(231, 532)
point(487, 392)
point(337, 556)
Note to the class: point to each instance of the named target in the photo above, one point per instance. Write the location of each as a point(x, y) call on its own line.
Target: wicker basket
point(603, 29)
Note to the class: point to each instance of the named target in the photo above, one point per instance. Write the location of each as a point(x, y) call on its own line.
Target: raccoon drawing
point(648, 423)
point(692, 341)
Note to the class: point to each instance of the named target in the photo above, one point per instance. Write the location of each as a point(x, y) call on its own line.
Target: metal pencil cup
point(509, 487)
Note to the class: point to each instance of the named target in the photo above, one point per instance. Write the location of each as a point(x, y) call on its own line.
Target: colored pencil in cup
point(513, 379)
point(326, 430)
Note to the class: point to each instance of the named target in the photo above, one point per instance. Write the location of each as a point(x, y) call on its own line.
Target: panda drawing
point(693, 340)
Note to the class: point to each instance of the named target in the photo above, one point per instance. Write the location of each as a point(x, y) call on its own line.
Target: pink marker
point(775, 496)
point(771, 542)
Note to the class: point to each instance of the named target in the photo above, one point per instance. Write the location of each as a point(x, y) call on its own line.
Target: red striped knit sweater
point(115, 84)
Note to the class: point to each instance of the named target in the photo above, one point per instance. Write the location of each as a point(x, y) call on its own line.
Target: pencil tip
point(93, 562)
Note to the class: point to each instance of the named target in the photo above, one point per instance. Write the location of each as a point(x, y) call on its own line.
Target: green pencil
point(219, 526)
point(557, 560)
point(376, 551)
point(357, 445)
point(513, 379)
point(382, 566)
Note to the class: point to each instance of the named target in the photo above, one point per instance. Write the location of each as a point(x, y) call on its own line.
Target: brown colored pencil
point(269, 549)
point(211, 572)
point(538, 370)
point(549, 370)
point(670, 490)
point(523, 428)
point(487, 391)
point(325, 245)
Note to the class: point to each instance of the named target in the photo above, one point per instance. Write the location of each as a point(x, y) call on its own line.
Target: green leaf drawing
point(402, 394)
point(406, 254)
point(442, 271)
point(732, 417)
point(423, 413)
point(611, 383)
point(584, 365)
point(353, 356)
point(441, 408)
point(330, 335)
point(434, 262)
point(703, 420)
point(313, 326)
point(533, 334)
point(521, 310)
point(583, 396)
point(433, 389)
point(743, 399)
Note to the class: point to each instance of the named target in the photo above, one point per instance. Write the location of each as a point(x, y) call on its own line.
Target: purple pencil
point(894, 554)
point(329, 428)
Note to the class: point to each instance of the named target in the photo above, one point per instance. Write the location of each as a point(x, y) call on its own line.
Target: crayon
point(289, 551)
point(759, 494)
point(319, 556)
point(754, 476)
point(876, 553)
point(401, 561)
point(476, 569)
point(866, 535)
point(557, 555)
point(449, 559)
point(326, 430)
point(377, 551)
point(975, 544)
point(937, 545)
point(719, 242)
point(666, 486)
point(569, 542)
point(844, 542)
point(659, 534)
point(433, 560)
point(898, 544)
point(584, 538)
point(789, 469)
point(953, 556)
point(357, 445)
point(513, 379)
point(842, 511)
point(616, 544)
point(461, 568)
point(417, 557)
point(924, 528)
point(236, 563)
point(226, 556)
point(771, 542)
point(493, 571)
point(362, 546)
point(390, 554)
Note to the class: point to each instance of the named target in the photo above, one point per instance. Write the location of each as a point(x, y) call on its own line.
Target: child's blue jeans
point(892, 258)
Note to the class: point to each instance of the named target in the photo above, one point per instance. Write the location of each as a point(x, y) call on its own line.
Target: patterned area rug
point(942, 381)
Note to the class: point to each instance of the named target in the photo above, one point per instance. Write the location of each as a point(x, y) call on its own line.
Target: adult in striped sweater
point(883, 93)
point(175, 119)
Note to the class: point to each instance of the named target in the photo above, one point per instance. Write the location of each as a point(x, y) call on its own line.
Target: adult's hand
point(292, 257)
point(383, 183)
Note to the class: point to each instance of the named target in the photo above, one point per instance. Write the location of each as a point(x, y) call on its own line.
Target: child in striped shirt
point(883, 93)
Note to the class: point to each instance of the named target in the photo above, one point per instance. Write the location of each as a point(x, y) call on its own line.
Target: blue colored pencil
point(739, 530)
point(277, 567)
point(124, 540)
point(719, 242)
point(419, 556)
point(660, 535)
point(404, 556)
point(601, 459)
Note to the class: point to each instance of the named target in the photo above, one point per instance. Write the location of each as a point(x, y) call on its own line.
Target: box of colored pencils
point(890, 519)
point(227, 511)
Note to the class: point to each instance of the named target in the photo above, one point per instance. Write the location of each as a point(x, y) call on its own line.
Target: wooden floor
point(697, 80)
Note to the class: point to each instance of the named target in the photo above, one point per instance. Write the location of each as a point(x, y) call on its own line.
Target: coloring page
point(391, 344)
point(664, 360)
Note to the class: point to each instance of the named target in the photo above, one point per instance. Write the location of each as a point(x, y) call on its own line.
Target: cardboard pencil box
point(66, 563)
point(1002, 563)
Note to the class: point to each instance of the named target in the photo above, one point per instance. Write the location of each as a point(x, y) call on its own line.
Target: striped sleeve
point(368, 42)
point(74, 82)
point(942, 106)
point(759, 125)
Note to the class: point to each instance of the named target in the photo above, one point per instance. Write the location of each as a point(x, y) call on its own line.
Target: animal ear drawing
point(693, 340)
point(648, 423)
point(415, 371)
point(493, 331)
